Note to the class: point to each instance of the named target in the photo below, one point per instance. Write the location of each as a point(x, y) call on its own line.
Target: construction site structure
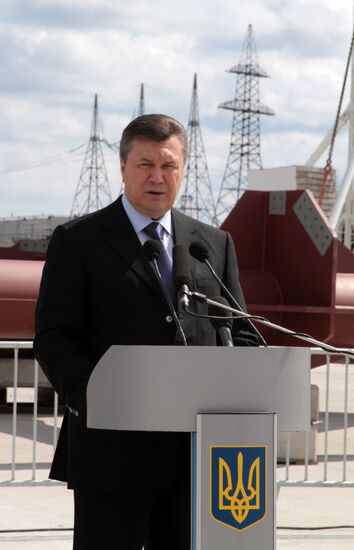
point(245, 150)
point(341, 218)
point(92, 191)
point(345, 227)
point(196, 198)
point(293, 270)
point(341, 215)
point(290, 178)
point(15, 228)
point(27, 237)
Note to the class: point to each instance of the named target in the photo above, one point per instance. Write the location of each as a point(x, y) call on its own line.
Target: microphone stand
point(242, 315)
point(222, 325)
point(152, 251)
point(169, 301)
point(232, 298)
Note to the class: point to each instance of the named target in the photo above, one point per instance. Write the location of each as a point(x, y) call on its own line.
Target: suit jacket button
point(169, 319)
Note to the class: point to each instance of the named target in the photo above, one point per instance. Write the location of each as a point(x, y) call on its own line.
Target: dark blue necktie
point(155, 231)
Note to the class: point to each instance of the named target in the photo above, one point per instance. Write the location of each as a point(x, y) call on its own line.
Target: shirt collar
point(139, 221)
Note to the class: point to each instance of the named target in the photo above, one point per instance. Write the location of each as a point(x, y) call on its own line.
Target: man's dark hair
point(152, 127)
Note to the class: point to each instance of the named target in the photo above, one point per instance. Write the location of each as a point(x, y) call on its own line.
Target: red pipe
point(19, 286)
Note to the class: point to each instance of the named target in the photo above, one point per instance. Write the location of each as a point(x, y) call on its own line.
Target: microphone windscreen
point(181, 267)
point(152, 249)
point(199, 251)
point(218, 312)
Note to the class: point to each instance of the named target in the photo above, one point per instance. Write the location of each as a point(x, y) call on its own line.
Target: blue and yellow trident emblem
point(238, 485)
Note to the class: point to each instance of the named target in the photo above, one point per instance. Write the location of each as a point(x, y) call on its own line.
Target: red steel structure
point(292, 270)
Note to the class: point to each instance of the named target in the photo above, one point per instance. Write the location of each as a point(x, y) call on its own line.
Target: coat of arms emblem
point(238, 485)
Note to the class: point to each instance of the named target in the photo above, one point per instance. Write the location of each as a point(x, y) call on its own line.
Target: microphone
point(152, 251)
point(222, 326)
point(200, 252)
point(182, 273)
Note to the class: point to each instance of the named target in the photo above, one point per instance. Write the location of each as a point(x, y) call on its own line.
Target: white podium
point(231, 398)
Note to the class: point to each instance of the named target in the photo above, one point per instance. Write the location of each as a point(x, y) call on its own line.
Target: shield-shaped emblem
point(238, 478)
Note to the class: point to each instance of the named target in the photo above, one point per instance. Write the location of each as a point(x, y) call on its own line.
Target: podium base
point(235, 482)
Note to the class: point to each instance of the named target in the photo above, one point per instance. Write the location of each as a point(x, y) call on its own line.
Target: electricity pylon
point(196, 199)
point(245, 150)
point(92, 191)
point(141, 110)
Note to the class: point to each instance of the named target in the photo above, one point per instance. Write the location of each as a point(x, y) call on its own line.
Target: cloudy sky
point(56, 54)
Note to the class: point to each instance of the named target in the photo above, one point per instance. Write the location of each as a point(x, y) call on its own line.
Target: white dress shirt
point(139, 222)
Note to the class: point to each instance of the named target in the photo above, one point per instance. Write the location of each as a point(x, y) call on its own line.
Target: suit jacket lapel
point(184, 233)
point(118, 232)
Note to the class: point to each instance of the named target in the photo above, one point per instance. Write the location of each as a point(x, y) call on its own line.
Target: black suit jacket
point(97, 289)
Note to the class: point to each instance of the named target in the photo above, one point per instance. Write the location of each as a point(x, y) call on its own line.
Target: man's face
point(152, 175)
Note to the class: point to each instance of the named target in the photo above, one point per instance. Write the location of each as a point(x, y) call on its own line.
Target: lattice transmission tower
point(141, 110)
point(92, 191)
point(141, 104)
point(196, 199)
point(245, 150)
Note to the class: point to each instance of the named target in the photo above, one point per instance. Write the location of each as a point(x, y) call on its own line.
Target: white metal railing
point(12, 471)
point(306, 474)
point(319, 474)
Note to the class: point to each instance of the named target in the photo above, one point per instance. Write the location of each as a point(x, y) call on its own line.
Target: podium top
point(163, 388)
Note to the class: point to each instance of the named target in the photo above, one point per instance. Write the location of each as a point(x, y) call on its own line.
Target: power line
point(53, 159)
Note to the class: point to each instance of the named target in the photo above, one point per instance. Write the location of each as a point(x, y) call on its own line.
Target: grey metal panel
point(241, 430)
point(316, 228)
point(277, 203)
point(162, 388)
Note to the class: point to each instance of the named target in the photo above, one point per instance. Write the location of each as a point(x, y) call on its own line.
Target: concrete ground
point(306, 512)
point(309, 518)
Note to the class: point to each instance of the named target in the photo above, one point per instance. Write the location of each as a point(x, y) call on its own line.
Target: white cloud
point(58, 54)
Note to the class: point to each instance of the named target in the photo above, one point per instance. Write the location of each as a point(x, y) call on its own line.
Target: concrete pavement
point(307, 511)
point(310, 518)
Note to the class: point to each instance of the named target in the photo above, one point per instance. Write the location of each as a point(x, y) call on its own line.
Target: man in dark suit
point(131, 489)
